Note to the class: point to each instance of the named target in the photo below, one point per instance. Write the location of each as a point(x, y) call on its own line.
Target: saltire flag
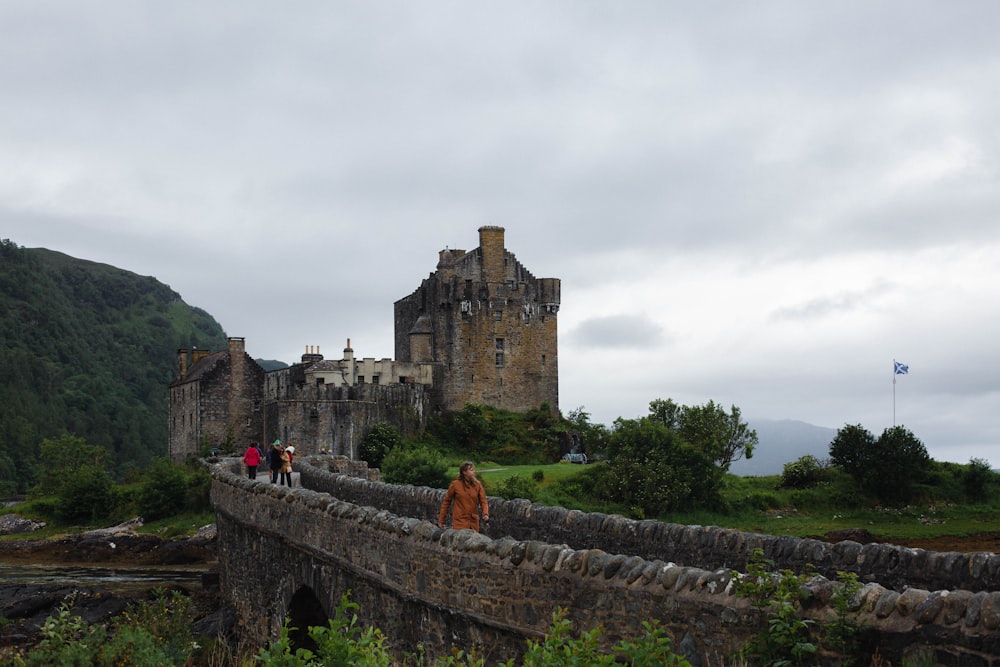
point(900, 368)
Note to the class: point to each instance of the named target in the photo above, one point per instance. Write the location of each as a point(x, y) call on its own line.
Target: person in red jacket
point(464, 498)
point(251, 459)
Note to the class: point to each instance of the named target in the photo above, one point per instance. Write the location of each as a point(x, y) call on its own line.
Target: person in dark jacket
point(274, 460)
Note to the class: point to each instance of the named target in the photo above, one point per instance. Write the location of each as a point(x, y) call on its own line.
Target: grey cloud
point(618, 332)
point(841, 302)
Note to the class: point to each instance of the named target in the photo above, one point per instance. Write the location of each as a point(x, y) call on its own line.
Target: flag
point(900, 369)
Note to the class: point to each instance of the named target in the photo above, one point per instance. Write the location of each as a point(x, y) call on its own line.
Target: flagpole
point(894, 393)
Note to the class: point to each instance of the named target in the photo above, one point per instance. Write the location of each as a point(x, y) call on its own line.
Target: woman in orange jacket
point(465, 496)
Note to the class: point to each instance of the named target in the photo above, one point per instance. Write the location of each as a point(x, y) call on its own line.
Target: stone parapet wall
point(711, 547)
point(444, 587)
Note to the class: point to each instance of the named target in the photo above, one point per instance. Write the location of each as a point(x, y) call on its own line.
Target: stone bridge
point(294, 552)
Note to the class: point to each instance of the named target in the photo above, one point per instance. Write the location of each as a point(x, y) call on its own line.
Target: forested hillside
point(87, 349)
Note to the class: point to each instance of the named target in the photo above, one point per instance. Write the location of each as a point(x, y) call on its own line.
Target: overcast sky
point(762, 204)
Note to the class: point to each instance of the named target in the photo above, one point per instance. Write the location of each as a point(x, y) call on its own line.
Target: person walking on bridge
point(251, 458)
point(274, 460)
point(464, 498)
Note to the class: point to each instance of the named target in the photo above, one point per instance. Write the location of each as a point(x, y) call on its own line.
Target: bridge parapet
point(444, 588)
point(893, 566)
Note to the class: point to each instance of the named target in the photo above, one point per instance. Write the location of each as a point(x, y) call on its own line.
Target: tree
point(723, 436)
point(654, 471)
point(62, 458)
point(851, 449)
point(380, 440)
point(888, 468)
point(900, 461)
point(976, 480)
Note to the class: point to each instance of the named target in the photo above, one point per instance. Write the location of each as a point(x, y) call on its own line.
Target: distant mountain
point(89, 350)
point(271, 364)
point(782, 441)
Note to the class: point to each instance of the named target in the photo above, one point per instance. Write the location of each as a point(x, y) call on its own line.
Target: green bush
point(163, 493)
point(804, 473)
point(976, 480)
point(418, 465)
point(380, 440)
point(87, 495)
point(517, 487)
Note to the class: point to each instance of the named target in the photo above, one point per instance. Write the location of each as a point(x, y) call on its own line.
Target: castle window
point(498, 315)
point(499, 351)
point(543, 361)
point(375, 379)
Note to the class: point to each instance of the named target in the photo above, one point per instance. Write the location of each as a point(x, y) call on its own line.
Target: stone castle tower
point(487, 325)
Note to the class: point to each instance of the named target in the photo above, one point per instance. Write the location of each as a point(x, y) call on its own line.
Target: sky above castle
point(762, 204)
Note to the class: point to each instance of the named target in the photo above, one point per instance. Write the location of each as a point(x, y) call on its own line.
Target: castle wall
point(445, 588)
point(335, 419)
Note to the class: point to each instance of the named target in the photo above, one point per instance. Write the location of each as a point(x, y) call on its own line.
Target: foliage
point(515, 487)
point(784, 640)
point(341, 643)
point(802, 473)
point(593, 437)
point(653, 471)
point(89, 350)
point(723, 436)
point(788, 638)
point(851, 449)
point(416, 464)
point(63, 456)
point(976, 480)
point(88, 495)
point(561, 648)
point(163, 491)
point(154, 633)
point(889, 468)
point(486, 433)
point(380, 440)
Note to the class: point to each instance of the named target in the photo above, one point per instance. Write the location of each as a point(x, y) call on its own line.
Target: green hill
point(87, 349)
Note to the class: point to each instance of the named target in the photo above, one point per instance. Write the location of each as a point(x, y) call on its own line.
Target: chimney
point(182, 363)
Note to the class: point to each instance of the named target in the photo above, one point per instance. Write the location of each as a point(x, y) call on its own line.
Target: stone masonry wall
point(444, 587)
point(712, 547)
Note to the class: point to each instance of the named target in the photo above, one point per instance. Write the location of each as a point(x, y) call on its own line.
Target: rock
point(12, 524)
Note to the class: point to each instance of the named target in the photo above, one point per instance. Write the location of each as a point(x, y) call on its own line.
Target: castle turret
point(491, 245)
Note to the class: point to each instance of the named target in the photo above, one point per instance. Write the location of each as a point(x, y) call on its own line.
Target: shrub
point(804, 473)
point(517, 487)
point(164, 491)
point(418, 465)
point(976, 480)
point(379, 441)
point(87, 495)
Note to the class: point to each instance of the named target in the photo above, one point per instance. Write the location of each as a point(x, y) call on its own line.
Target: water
point(119, 579)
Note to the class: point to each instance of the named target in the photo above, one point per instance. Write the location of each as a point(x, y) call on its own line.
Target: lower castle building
point(480, 329)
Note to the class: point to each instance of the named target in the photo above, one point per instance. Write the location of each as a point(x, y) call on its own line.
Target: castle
point(479, 329)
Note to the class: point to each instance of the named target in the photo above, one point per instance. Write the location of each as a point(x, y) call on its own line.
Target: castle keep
point(481, 329)
point(488, 326)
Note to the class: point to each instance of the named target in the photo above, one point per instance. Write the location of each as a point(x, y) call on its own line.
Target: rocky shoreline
point(26, 606)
